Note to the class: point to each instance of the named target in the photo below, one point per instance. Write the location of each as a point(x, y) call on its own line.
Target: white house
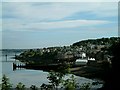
point(91, 59)
point(83, 55)
point(81, 61)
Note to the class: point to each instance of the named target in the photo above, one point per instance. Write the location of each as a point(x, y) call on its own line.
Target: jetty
point(36, 67)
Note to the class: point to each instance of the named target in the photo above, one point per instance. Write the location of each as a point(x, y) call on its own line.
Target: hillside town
point(90, 50)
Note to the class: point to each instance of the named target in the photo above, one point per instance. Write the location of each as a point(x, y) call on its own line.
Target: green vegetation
point(100, 49)
point(94, 48)
point(20, 86)
point(56, 82)
point(6, 85)
point(85, 86)
point(101, 41)
point(33, 87)
point(112, 75)
point(57, 79)
point(32, 56)
point(70, 84)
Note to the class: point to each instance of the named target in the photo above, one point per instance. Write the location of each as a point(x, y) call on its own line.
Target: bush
point(85, 86)
point(6, 85)
point(70, 84)
point(20, 86)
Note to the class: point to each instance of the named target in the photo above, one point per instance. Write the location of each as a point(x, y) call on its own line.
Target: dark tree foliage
point(33, 87)
point(20, 86)
point(112, 77)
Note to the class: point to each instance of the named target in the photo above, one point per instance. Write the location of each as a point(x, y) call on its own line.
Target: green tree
point(70, 84)
point(6, 85)
point(55, 78)
point(85, 86)
point(33, 87)
point(20, 86)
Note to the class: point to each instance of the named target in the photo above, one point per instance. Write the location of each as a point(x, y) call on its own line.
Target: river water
point(30, 77)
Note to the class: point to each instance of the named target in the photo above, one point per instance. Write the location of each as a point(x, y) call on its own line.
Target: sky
point(48, 24)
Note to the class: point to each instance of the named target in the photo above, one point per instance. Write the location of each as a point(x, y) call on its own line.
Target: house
point(91, 61)
point(81, 62)
point(83, 55)
point(80, 55)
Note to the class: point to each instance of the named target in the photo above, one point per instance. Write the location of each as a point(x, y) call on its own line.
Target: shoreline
point(83, 72)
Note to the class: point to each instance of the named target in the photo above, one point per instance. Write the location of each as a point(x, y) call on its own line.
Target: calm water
point(30, 77)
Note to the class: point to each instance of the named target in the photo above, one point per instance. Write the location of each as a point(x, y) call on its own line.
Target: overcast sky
point(38, 24)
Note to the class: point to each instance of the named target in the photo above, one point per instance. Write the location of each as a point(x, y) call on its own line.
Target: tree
point(6, 85)
point(33, 87)
point(20, 86)
point(85, 86)
point(55, 78)
point(70, 84)
point(112, 76)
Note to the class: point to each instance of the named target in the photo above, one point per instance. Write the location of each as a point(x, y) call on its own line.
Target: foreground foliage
point(6, 85)
point(56, 80)
point(55, 83)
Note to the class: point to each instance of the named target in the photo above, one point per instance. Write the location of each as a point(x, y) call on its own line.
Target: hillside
point(100, 49)
point(95, 48)
point(100, 41)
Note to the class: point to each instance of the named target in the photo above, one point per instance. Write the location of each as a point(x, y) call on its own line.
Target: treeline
point(32, 56)
point(100, 49)
point(101, 41)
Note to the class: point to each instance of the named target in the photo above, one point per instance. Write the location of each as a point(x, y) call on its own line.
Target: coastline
point(88, 72)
